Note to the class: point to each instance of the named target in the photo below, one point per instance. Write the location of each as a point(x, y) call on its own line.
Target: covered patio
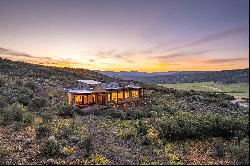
point(85, 98)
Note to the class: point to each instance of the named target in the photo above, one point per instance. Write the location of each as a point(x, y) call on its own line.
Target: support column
point(87, 100)
point(96, 99)
point(110, 98)
point(123, 94)
point(130, 94)
point(103, 99)
point(106, 99)
point(117, 97)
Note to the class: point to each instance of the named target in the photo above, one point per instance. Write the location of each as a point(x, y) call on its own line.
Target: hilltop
point(169, 127)
point(64, 74)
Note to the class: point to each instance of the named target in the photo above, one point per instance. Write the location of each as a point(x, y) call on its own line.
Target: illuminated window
point(126, 94)
point(78, 99)
point(108, 97)
point(120, 95)
point(90, 99)
point(85, 99)
point(114, 96)
point(135, 93)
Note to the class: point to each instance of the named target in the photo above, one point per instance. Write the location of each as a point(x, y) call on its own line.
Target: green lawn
point(237, 90)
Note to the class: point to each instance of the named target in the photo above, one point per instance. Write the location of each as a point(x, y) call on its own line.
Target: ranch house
point(91, 92)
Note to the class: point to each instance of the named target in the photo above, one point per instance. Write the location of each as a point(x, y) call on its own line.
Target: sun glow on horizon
point(154, 67)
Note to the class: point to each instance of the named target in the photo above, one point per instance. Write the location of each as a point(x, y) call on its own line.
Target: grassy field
point(237, 90)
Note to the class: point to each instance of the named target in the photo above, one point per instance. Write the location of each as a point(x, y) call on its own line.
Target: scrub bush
point(43, 131)
point(50, 147)
point(185, 125)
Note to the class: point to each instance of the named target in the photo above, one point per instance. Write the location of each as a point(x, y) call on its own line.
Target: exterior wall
point(98, 88)
point(83, 85)
point(69, 98)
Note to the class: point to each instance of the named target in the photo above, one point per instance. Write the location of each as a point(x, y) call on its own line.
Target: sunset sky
point(142, 35)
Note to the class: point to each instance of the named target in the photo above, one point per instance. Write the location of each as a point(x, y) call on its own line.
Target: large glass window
point(108, 97)
point(114, 96)
point(120, 95)
point(78, 99)
point(90, 99)
point(135, 93)
point(85, 99)
point(126, 94)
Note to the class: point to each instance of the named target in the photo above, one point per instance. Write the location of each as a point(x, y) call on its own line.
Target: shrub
point(142, 128)
point(66, 111)
point(116, 113)
point(68, 150)
point(24, 100)
point(3, 154)
point(99, 160)
point(39, 102)
point(28, 118)
point(24, 91)
point(17, 126)
point(47, 117)
point(126, 114)
point(13, 113)
point(185, 125)
point(65, 132)
point(239, 152)
point(50, 147)
point(2, 101)
point(153, 135)
point(127, 134)
point(19, 83)
point(43, 131)
point(31, 85)
point(86, 146)
point(2, 81)
point(218, 149)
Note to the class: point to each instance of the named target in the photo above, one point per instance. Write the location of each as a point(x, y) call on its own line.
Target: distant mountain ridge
point(224, 76)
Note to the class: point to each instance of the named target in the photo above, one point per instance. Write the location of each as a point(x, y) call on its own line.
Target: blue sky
point(143, 35)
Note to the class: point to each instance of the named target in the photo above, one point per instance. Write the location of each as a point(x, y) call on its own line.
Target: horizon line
point(95, 70)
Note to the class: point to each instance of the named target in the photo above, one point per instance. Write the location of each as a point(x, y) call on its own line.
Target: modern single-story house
point(91, 92)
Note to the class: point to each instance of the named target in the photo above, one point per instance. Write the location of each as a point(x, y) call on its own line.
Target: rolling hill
point(225, 76)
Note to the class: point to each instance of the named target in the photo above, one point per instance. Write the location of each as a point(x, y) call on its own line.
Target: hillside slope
point(169, 127)
point(65, 75)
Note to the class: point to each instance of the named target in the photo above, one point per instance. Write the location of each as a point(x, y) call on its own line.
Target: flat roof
point(90, 82)
point(80, 91)
point(133, 86)
point(84, 91)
